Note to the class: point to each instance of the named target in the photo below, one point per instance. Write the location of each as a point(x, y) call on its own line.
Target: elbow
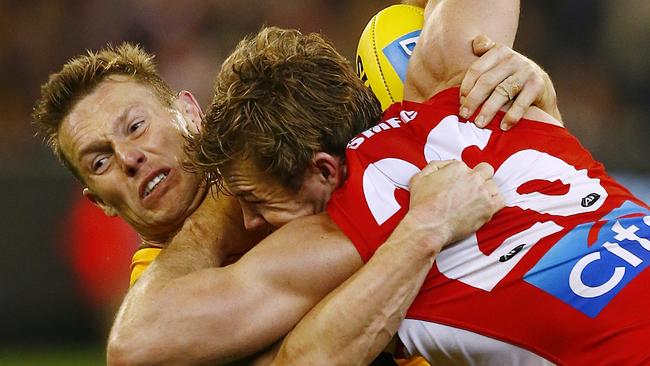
point(129, 350)
point(119, 353)
point(114, 356)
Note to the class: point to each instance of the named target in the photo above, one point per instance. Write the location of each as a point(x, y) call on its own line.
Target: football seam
point(375, 52)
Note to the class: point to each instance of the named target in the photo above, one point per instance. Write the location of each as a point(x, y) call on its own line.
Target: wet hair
point(281, 97)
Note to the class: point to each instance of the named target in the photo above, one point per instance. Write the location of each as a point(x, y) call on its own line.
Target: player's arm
point(355, 322)
point(219, 314)
point(500, 78)
point(444, 51)
point(181, 312)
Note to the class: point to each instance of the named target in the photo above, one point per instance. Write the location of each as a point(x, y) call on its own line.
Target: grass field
point(69, 355)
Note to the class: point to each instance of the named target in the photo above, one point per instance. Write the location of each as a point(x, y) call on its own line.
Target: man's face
point(128, 148)
point(264, 200)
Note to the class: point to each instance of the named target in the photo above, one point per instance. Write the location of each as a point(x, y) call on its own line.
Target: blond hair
point(279, 98)
point(80, 76)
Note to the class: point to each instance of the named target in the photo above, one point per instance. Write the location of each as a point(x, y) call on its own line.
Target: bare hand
point(501, 76)
point(453, 199)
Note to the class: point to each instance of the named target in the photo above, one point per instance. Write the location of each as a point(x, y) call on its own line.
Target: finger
point(499, 201)
point(484, 75)
point(501, 96)
point(480, 66)
point(490, 91)
point(522, 103)
point(481, 44)
point(491, 186)
point(434, 166)
point(488, 95)
point(484, 170)
point(429, 169)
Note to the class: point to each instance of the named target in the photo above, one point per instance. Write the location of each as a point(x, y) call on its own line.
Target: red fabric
point(514, 310)
point(101, 249)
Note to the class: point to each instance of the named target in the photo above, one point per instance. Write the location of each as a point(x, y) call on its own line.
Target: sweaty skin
point(119, 139)
point(302, 262)
point(225, 313)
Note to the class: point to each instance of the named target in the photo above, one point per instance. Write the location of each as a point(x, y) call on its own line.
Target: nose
point(130, 159)
point(252, 218)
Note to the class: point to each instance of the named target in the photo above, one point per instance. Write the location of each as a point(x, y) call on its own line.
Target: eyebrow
point(94, 146)
point(244, 192)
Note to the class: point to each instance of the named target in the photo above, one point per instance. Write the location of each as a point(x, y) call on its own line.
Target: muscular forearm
point(351, 325)
point(222, 314)
point(159, 306)
point(356, 321)
point(444, 53)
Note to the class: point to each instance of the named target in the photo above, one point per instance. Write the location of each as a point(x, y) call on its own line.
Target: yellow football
point(384, 49)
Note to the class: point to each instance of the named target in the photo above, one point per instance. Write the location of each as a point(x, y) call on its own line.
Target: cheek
point(173, 140)
point(110, 190)
point(165, 140)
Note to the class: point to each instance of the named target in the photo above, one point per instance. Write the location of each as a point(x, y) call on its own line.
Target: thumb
point(436, 165)
point(481, 44)
point(430, 168)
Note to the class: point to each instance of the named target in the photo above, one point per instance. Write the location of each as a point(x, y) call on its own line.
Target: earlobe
point(92, 197)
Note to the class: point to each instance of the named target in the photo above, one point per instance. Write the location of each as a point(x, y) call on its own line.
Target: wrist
point(429, 234)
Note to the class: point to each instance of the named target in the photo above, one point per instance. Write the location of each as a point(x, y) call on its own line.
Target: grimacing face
point(264, 200)
point(128, 148)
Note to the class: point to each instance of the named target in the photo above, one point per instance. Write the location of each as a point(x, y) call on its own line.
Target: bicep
point(264, 295)
point(444, 50)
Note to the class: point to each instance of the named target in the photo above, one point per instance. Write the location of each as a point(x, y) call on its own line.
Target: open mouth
point(154, 183)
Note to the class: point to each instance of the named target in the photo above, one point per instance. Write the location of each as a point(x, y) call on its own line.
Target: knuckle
point(471, 101)
point(486, 196)
point(531, 69)
point(513, 115)
point(500, 48)
point(464, 88)
point(489, 171)
point(512, 56)
point(499, 203)
point(491, 106)
point(475, 70)
point(511, 119)
point(536, 82)
point(472, 72)
point(454, 164)
point(414, 179)
point(518, 106)
point(486, 81)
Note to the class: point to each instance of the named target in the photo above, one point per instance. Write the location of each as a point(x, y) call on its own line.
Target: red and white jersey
point(560, 271)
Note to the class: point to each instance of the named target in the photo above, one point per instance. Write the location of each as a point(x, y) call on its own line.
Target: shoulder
point(310, 238)
point(305, 255)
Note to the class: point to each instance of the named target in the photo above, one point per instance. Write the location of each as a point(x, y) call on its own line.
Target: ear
point(190, 109)
point(92, 197)
point(330, 168)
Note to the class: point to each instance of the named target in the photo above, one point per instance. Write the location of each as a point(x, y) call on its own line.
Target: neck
point(161, 236)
